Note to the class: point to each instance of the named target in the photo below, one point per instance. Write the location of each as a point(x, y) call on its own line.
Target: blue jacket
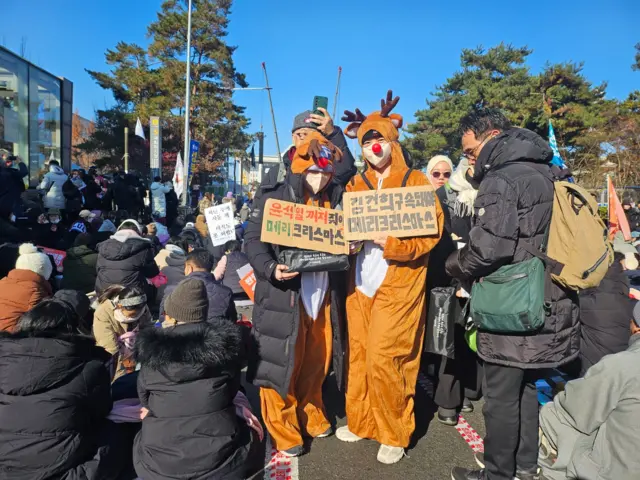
point(220, 298)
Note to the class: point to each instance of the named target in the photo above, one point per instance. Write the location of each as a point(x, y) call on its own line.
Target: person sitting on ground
point(227, 268)
point(604, 319)
point(127, 259)
point(25, 286)
point(592, 428)
point(170, 261)
point(150, 232)
point(79, 266)
point(199, 265)
point(54, 401)
point(191, 362)
point(121, 312)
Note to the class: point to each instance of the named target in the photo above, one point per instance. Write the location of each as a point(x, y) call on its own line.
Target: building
point(35, 114)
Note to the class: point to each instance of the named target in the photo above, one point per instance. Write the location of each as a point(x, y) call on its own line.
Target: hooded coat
point(170, 261)
point(125, 259)
point(159, 199)
point(276, 312)
point(79, 269)
point(514, 204)
point(189, 377)
point(52, 184)
point(52, 417)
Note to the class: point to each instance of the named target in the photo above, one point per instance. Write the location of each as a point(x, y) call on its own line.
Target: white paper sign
point(221, 224)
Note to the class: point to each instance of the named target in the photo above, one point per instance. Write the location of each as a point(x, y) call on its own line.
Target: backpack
point(578, 250)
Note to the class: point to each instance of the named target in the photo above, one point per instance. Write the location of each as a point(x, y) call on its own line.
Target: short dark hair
point(84, 239)
point(157, 179)
point(201, 259)
point(120, 291)
point(179, 242)
point(232, 246)
point(50, 315)
point(481, 121)
point(54, 162)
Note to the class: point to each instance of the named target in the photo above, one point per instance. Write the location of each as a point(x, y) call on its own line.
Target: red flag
point(617, 218)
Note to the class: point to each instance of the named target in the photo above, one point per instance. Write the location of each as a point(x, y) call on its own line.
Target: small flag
point(140, 130)
point(557, 159)
point(178, 176)
point(617, 218)
point(253, 156)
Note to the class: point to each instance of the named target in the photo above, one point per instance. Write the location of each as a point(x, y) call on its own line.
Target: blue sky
point(408, 45)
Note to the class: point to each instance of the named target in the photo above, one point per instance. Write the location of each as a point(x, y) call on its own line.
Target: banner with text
point(221, 224)
point(302, 226)
point(397, 212)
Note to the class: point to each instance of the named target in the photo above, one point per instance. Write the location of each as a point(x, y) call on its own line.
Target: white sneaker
point(344, 434)
point(390, 455)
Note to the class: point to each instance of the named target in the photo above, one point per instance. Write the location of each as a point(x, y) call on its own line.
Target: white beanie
point(436, 160)
point(31, 259)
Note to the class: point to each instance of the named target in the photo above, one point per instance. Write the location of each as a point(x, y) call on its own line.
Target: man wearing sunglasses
point(513, 207)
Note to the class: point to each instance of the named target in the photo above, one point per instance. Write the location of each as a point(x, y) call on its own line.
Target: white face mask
point(377, 160)
point(316, 181)
point(122, 318)
point(54, 220)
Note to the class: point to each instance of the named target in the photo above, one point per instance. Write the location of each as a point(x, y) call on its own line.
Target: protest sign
point(221, 223)
point(57, 255)
point(397, 212)
point(248, 281)
point(303, 226)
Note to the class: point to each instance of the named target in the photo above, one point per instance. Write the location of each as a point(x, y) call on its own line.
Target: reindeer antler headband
point(384, 121)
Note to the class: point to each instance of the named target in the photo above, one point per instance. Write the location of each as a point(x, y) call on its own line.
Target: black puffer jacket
point(276, 313)
point(54, 399)
point(189, 377)
point(125, 259)
point(514, 204)
point(605, 313)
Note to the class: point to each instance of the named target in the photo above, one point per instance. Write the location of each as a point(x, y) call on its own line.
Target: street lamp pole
point(185, 161)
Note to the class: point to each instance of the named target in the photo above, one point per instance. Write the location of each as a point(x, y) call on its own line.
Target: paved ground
point(435, 450)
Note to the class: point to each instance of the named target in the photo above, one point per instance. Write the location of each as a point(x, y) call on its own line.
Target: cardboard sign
point(221, 224)
point(302, 226)
point(397, 212)
point(57, 255)
point(248, 281)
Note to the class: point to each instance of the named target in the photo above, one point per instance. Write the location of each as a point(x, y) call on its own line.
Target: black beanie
point(189, 302)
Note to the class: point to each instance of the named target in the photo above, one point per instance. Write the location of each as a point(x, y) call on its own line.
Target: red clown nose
point(376, 148)
point(322, 162)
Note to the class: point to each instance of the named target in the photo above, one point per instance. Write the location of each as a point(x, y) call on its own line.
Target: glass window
point(14, 106)
point(44, 122)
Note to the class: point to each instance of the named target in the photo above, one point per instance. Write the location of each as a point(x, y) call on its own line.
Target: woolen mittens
point(189, 302)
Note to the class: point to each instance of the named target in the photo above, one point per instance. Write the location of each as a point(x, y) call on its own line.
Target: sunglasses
point(437, 174)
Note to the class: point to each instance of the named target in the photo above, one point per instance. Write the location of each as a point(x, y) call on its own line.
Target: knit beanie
point(189, 302)
point(31, 259)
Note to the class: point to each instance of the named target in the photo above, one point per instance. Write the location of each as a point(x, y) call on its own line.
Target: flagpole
point(126, 149)
point(185, 177)
point(273, 115)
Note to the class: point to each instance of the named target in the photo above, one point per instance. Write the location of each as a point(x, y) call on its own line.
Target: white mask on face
point(54, 220)
point(377, 160)
point(316, 181)
point(122, 318)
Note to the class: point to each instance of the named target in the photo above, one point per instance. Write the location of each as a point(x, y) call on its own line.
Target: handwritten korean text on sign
point(311, 228)
point(397, 212)
point(221, 223)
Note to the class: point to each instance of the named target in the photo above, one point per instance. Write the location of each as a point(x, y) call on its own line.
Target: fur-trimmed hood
point(187, 352)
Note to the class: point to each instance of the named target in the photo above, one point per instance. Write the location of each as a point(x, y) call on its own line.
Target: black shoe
point(520, 475)
point(467, 406)
point(447, 418)
point(459, 473)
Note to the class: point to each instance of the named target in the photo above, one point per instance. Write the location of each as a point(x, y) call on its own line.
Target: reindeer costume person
point(386, 305)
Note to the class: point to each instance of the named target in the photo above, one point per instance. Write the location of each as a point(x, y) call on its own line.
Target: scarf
point(466, 194)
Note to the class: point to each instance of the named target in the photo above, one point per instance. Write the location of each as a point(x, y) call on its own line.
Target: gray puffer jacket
point(52, 186)
point(514, 204)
